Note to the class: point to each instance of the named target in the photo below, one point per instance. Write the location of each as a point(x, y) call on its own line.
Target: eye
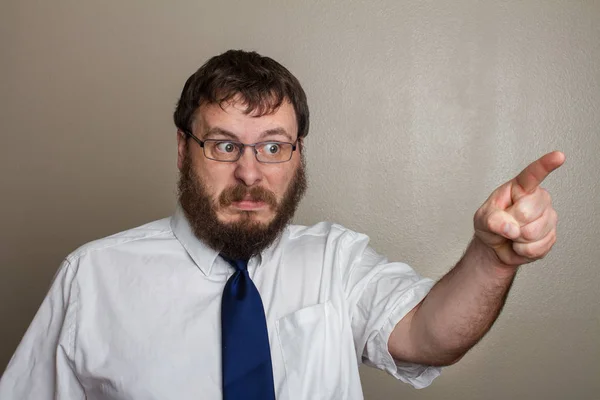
point(272, 148)
point(225, 147)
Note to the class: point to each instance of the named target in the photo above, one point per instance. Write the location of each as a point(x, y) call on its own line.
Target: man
point(227, 300)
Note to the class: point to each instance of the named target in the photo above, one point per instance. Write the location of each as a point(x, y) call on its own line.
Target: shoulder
point(144, 234)
point(321, 229)
point(328, 233)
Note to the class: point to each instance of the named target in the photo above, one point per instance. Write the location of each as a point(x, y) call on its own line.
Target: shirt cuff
point(419, 376)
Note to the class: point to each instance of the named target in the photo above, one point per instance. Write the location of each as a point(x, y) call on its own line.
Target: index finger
point(531, 177)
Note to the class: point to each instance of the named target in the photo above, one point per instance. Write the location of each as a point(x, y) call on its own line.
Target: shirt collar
point(203, 255)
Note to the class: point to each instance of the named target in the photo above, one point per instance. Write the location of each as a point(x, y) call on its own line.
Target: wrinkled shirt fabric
point(136, 316)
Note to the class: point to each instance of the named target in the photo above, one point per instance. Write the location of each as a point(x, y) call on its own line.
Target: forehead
point(232, 117)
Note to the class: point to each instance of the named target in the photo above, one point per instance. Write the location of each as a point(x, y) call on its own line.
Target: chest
point(156, 335)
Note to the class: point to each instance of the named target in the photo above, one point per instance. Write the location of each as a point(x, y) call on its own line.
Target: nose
point(248, 169)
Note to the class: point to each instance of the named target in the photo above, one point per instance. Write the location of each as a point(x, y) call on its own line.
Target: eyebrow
point(216, 131)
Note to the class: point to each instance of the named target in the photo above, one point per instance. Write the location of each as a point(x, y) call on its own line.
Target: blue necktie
point(247, 368)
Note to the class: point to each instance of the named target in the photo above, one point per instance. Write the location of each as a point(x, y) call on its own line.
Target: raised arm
point(516, 225)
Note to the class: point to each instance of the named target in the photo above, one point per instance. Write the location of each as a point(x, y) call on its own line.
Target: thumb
point(500, 223)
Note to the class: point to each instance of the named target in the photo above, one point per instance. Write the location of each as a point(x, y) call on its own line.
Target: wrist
point(490, 263)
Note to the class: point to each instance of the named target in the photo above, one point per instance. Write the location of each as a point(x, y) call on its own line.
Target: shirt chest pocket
point(315, 353)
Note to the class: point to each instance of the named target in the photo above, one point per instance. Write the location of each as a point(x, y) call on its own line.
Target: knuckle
point(554, 216)
point(553, 238)
point(522, 211)
point(528, 252)
point(530, 231)
point(539, 250)
point(531, 251)
point(546, 195)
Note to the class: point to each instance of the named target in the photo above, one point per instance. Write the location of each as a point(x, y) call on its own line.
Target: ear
point(181, 148)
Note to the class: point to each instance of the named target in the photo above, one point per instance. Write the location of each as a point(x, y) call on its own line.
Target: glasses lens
point(273, 152)
point(221, 150)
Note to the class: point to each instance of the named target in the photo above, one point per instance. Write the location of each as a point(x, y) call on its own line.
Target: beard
point(244, 238)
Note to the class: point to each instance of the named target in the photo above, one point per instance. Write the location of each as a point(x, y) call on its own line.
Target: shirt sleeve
point(381, 293)
point(42, 366)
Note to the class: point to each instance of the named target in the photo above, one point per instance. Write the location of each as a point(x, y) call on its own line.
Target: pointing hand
point(518, 221)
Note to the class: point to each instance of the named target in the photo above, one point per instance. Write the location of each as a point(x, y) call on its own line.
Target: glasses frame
point(242, 146)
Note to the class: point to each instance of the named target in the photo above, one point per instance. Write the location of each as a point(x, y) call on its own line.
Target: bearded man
point(226, 299)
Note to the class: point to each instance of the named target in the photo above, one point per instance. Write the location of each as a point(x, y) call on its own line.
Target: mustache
point(240, 192)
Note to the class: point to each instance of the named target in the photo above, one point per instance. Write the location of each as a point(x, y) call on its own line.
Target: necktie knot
point(239, 265)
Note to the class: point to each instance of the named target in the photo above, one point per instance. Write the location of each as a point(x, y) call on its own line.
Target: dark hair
point(262, 83)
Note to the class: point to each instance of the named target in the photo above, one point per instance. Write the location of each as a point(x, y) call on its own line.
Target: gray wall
point(420, 109)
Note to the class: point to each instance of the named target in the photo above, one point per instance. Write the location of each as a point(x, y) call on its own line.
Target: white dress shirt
point(136, 316)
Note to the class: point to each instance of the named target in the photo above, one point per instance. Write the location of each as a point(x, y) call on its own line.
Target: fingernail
point(511, 230)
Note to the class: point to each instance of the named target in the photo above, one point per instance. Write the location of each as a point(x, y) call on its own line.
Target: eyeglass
point(272, 152)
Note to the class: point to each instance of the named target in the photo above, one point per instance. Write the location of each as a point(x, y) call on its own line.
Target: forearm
point(514, 226)
point(462, 306)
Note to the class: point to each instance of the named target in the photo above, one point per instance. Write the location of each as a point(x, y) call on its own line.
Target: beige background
point(419, 110)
